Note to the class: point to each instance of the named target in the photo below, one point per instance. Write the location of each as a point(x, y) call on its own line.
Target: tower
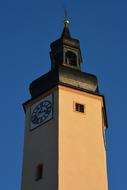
point(64, 146)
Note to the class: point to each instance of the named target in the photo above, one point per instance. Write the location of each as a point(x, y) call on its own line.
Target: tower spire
point(66, 20)
point(66, 32)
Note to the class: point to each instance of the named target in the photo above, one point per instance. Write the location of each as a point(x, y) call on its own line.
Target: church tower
point(64, 145)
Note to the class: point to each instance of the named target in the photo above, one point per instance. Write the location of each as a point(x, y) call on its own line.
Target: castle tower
point(64, 147)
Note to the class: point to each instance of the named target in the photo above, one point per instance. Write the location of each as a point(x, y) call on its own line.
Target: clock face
point(41, 112)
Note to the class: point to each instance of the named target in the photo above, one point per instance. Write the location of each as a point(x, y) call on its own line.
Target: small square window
point(79, 107)
point(39, 172)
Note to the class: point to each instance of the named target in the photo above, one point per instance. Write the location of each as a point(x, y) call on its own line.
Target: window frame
point(74, 107)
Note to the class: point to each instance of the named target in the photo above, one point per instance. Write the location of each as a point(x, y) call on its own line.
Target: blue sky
point(26, 30)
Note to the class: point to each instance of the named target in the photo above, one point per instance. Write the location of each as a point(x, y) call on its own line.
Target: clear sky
point(27, 28)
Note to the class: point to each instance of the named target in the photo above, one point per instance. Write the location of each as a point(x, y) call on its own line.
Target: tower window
point(79, 107)
point(39, 172)
point(71, 58)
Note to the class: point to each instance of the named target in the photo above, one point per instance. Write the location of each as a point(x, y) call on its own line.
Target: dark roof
point(66, 33)
point(65, 39)
point(64, 76)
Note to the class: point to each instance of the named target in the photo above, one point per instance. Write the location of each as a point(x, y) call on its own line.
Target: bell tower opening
point(71, 58)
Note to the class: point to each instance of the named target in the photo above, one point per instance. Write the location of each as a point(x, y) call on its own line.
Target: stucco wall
point(82, 158)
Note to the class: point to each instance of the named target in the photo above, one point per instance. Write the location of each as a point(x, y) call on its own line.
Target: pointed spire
point(66, 32)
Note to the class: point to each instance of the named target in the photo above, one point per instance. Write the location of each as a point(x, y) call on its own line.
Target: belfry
point(64, 144)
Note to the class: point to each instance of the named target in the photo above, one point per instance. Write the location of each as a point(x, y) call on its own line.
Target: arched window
point(39, 172)
point(71, 58)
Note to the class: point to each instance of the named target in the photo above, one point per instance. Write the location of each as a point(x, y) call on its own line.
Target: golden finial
point(66, 21)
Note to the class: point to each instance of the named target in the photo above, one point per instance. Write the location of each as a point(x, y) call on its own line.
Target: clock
point(41, 112)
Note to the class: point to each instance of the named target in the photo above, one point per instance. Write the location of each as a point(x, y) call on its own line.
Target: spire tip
point(66, 20)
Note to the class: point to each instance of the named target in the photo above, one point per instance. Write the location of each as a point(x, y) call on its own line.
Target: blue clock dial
point(41, 112)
